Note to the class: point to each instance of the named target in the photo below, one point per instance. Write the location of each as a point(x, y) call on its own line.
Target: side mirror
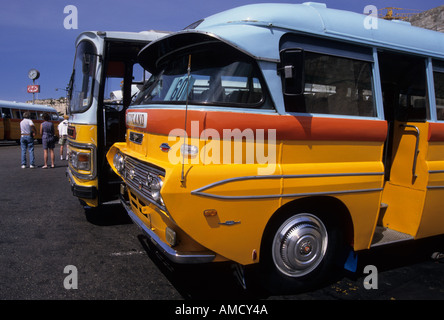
point(86, 63)
point(292, 71)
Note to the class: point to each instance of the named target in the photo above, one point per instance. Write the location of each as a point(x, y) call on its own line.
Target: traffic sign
point(35, 88)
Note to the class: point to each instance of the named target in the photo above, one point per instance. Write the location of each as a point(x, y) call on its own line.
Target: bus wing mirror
point(292, 71)
point(86, 63)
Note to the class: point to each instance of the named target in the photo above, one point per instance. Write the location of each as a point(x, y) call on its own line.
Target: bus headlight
point(119, 162)
point(154, 184)
point(80, 160)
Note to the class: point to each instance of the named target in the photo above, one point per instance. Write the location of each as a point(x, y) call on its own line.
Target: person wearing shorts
point(63, 136)
point(48, 142)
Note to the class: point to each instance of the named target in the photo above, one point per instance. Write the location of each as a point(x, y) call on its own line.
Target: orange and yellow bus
point(11, 113)
point(283, 136)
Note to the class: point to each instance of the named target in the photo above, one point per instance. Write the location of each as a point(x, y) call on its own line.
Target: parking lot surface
point(46, 235)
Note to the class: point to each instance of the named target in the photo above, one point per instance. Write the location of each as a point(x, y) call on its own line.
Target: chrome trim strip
point(435, 187)
point(200, 191)
point(291, 195)
point(173, 255)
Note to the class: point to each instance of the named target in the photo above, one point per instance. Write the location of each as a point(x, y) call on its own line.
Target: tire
point(298, 252)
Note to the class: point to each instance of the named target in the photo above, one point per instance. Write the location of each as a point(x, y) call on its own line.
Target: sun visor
point(151, 55)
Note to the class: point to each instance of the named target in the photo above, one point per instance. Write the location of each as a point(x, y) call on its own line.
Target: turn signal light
point(210, 212)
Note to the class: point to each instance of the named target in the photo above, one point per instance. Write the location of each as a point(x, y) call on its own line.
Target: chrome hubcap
point(299, 245)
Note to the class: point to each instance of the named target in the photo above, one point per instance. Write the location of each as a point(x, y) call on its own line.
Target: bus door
point(432, 221)
point(406, 109)
point(118, 86)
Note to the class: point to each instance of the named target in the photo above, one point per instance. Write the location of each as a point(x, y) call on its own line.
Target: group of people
point(28, 131)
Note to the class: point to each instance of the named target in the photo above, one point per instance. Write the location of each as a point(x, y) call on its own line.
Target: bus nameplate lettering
point(137, 119)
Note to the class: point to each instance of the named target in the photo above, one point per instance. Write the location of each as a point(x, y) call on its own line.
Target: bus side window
point(337, 85)
point(404, 87)
point(33, 115)
point(6, 113)
point(16, 114)
point(438, 78)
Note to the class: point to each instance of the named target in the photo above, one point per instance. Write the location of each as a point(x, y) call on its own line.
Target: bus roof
point(27, 106)
point(256, 29)
point(143, 36)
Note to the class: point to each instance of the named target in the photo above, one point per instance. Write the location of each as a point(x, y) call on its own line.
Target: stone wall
point(60, 104)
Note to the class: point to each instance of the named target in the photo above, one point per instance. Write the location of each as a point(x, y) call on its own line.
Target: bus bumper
point(85, 192)
point(170, 253)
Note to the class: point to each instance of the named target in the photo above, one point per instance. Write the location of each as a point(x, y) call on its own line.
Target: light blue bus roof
point(256, 29)
point(26, 106)
point(143, 36)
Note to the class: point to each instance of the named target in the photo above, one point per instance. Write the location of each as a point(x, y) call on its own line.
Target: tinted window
point(336, 85)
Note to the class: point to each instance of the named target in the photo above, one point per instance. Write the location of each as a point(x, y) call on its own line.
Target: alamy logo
point(371, 20)
point(233, 147)
point(71, 280)
point(71, 21)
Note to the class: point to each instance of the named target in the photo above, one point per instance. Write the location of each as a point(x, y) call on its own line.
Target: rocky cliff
point(432, 19)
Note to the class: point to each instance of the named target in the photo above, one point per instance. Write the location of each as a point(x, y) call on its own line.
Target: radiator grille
point(135, 175)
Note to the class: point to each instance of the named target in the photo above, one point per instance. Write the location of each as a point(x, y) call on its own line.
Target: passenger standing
point(27, 129)
point(47, 132)
point(63, 135)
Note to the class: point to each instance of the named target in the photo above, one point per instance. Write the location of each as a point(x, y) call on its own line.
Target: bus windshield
point(219, 76)
point(82, 78)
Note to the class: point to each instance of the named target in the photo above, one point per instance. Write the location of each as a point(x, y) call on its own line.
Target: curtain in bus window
point(439, 94)
point(339, 86)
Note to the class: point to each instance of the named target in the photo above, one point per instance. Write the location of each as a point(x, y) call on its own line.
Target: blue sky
point(32, 33)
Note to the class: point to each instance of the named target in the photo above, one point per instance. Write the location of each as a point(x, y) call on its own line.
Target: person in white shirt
point(63, 135)
point(28, 131)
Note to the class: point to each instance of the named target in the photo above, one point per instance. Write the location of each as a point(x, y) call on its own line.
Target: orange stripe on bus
point(436, 131)
point(287, 127)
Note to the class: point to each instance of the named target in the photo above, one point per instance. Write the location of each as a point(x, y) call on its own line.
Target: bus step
point(385, 235)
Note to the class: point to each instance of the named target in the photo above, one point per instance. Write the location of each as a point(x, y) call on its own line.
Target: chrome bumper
point(170, 253)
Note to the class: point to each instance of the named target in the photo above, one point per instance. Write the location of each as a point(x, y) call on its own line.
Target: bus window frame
point(32, 114)
point(6, 115)
point(265, 104)
point(437, 67)
point(329, 48)
point(14, 114)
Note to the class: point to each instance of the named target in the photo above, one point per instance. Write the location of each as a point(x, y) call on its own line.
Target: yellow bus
point(101, 88)
point(11, 113)
point(282, 136)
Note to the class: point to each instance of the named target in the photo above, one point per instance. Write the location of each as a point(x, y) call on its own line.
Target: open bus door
point(101, 89)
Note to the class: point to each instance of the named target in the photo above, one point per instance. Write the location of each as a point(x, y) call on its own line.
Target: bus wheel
point(299, 252)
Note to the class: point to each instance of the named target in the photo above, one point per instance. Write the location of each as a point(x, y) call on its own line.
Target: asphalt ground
point(44, 229)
